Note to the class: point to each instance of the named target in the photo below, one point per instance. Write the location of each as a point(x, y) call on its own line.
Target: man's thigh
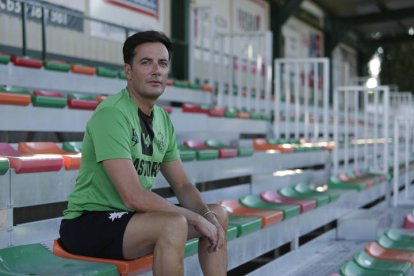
point(144, 229)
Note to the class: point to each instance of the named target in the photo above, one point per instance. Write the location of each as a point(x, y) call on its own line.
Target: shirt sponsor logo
point(146, 167)
point(116, 215)
point(134, 138)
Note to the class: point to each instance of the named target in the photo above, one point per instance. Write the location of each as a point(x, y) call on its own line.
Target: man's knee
point(221, 214)
point(174, 222)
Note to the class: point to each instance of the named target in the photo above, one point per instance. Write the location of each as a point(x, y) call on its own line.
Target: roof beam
point(390, 40)
point(380, 16)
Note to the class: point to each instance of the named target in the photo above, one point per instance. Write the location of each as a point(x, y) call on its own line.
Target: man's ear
point(128, 71)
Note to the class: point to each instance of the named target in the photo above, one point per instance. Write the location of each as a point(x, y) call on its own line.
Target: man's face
point(148, 73)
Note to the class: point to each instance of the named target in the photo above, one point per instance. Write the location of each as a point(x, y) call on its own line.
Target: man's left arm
point(187, 194)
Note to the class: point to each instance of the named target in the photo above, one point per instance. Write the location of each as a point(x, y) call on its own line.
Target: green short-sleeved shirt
point(118, 129)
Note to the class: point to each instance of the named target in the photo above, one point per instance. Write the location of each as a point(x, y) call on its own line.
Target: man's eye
point(145, 62)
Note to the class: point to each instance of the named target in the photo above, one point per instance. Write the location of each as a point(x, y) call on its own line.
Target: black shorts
point(95, 234)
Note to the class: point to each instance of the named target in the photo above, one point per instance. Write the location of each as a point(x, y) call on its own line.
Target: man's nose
point(156, 68)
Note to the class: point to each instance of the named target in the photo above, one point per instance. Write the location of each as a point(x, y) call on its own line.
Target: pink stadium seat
point(274, 197)
point(71, 160)
point(30, 163)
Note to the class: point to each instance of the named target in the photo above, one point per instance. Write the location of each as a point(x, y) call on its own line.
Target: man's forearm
point(190, 198)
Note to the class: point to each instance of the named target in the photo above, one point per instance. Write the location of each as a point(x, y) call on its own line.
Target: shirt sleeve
point(110, 132)
point(172, 152)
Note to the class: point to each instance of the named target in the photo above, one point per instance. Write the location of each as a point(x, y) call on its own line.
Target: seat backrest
point(39, 148)
point(7, 150)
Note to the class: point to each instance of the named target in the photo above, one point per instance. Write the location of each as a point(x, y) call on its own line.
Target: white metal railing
point(403, 150)
point(244, 70)
point(355, 106)
point(238, 65)
point(302, 92)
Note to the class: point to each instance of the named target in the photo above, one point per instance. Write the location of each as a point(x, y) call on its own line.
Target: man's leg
point(214, 263)
point(165, 233)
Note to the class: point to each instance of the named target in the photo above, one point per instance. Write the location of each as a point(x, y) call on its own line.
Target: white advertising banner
point(250, 15)
point(136, 14)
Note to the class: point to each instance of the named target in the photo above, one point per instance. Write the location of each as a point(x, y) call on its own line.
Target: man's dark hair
point(143, 37)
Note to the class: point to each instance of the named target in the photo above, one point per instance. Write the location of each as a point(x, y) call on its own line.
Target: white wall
point(95, 41)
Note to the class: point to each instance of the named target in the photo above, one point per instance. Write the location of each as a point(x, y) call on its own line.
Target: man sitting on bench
point(112, 212)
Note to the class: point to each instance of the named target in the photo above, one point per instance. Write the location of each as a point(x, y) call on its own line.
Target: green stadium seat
point(57, 65)
point(181, 83)
point(290, 192)
point(245, 225)
point(4, 165)
point(105, 72)
point(335, 183)
point(122, 75)
point(224, 152)
point(354, 269)
point(34, 259)
point(254, 201)
point(191, 247)
point(186, 154)
point(366, 261)
point(230, 113)
point(351, 178)
point(306, 189)
point(377, 251)
point(4, 59)
point(202, 152)
point(241, 152)
point(405, 235)
point(267, 216)
point(195, 108)
point(231, 232)
point(48, 99)
point(388, 243)
point(194, 86)
point(72, 146)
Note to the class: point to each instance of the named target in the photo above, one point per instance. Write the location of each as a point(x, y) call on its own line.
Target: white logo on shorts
point(116, 215)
